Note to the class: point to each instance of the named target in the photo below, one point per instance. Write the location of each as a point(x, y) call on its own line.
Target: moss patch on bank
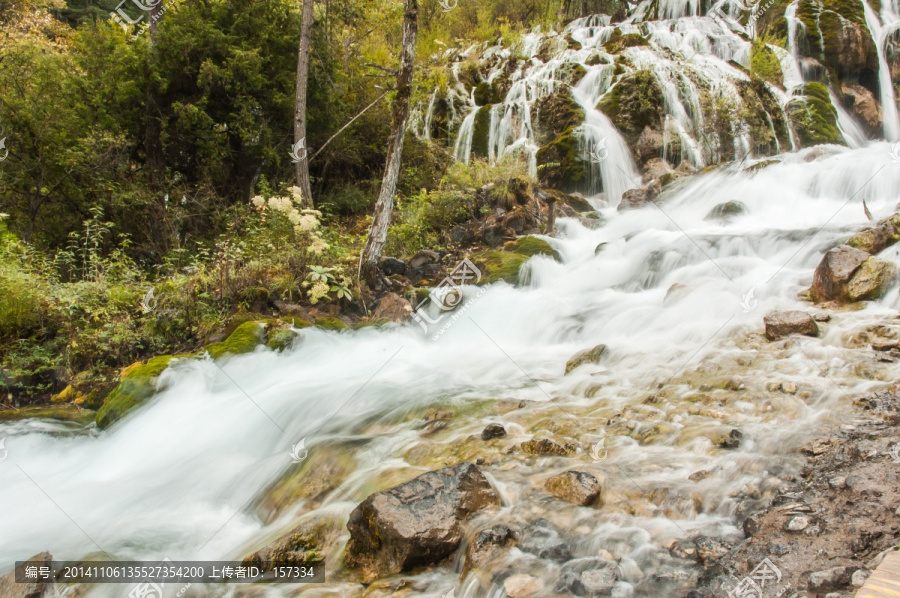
point(137, 383)
point(814, 118)
point(505, 265)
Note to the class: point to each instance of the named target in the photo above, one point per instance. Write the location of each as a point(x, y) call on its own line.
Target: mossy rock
point(629, 40)
point(306, 545)
point(282, 339)
point(331, 323)
point(485, 94)
point(505, 265)
point(66, 395)
point(872, 280)
point(592, 355)
point(481, 133)
point(373, 323)
point(530, 246)
point(244, 339)
point(561, 164)
point(633, 103)
point(814, 118)
point(137, 383)
point(764, 63)
point(66, 412)
point(555, 114)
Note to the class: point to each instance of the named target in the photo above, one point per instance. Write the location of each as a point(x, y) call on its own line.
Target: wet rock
point(522, 586)
point(306, 544)
point(784, 323)
point(871, 280)
point(391, 266)
point(649, 145)
point(726, 211)
point(542, 540)
point(834, 273)
point(10, 589)
point(587, 356)
point(752, 524)
point(733, 440)
point(492, 431)
point(424, 257)
point(709, 550)
point(546, 446)
point(789, 388)
point(884, 345)
point(577, 487)
point(832, 579)
point(590, 576)
point(416, 523)
point(487, 545)
point(657, 168)
point(640, 197)
point(874, 240)
point(864, 105)
point(393, 307)
point(796, 524)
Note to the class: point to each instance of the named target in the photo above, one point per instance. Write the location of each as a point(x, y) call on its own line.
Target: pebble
point(796, 524)
point(493, 430)
point(522, 586)
point(859, 578)
point(838, 483)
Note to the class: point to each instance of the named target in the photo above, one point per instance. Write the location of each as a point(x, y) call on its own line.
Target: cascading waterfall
point(187, 475)
point(889, 113)
point(463, 147)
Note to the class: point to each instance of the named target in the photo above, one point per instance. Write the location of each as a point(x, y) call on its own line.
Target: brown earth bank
point(826, 531)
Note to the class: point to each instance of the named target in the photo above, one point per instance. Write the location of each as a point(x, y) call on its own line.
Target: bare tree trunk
point(153, 149)
point(368, 262)
point(301, 167)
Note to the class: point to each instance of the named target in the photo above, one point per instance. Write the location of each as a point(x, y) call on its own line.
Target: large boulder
point(863, 104)
point(393, 307)
point(785, 323)
point(874, 240)
point(872, 280)
point(640, 197)
point(834, 272)
point(10, 589)
point(416, 523)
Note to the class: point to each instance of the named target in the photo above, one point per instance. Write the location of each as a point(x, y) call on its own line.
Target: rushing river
point(185, 476)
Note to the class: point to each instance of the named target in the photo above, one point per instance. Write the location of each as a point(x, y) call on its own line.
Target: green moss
point(530, 246)
point(560, 163)
point(505, 265)
point(482, 131)
point(374, 322)
point(620, 42)
point(499, 265)
point(555, 114)
point(331, 323)
point(60, 412)
point(764, 64)
point(815, 119)
point(633, 103)
point(244, 339)
point(137, 383)
point(484, 94)
point(281, 339)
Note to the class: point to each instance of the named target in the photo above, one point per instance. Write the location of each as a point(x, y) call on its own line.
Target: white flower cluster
point(304, 220)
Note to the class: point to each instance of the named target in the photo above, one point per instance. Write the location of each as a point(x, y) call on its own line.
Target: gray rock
point(726, 211)
point(784, 323)
point(832, 579)
point(835, 271)
point(796, 524)
point(416, 523)
point(542, 540)
point(587, 576)
point(487, 545)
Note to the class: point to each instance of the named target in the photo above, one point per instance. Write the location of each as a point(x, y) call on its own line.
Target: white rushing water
point(182, 476)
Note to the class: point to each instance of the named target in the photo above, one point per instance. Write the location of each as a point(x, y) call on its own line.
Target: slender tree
point(301, 166)
point(156, 165)
point(368, 261)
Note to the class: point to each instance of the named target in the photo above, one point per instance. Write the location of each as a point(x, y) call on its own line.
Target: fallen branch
point(350, 122)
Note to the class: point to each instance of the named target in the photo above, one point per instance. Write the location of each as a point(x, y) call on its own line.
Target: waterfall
point(462, 150)
point(889, 113)
point(850, 129)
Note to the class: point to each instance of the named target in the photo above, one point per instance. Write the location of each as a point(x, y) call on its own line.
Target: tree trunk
point(156, 166)
point(301, 166)
point(368, 262)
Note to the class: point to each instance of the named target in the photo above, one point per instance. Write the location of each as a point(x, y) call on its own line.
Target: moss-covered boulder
point(561, 163)
point(332, 323)
point(872, 280)
point(305, 545)
point(633, 103)
point(764, 63)
point(481, 132)
point(137, 383)
point(244, 339)
point(505, 265)
point(619, 41)
point(555, 114)
point(64, 412)
point(814, 118)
